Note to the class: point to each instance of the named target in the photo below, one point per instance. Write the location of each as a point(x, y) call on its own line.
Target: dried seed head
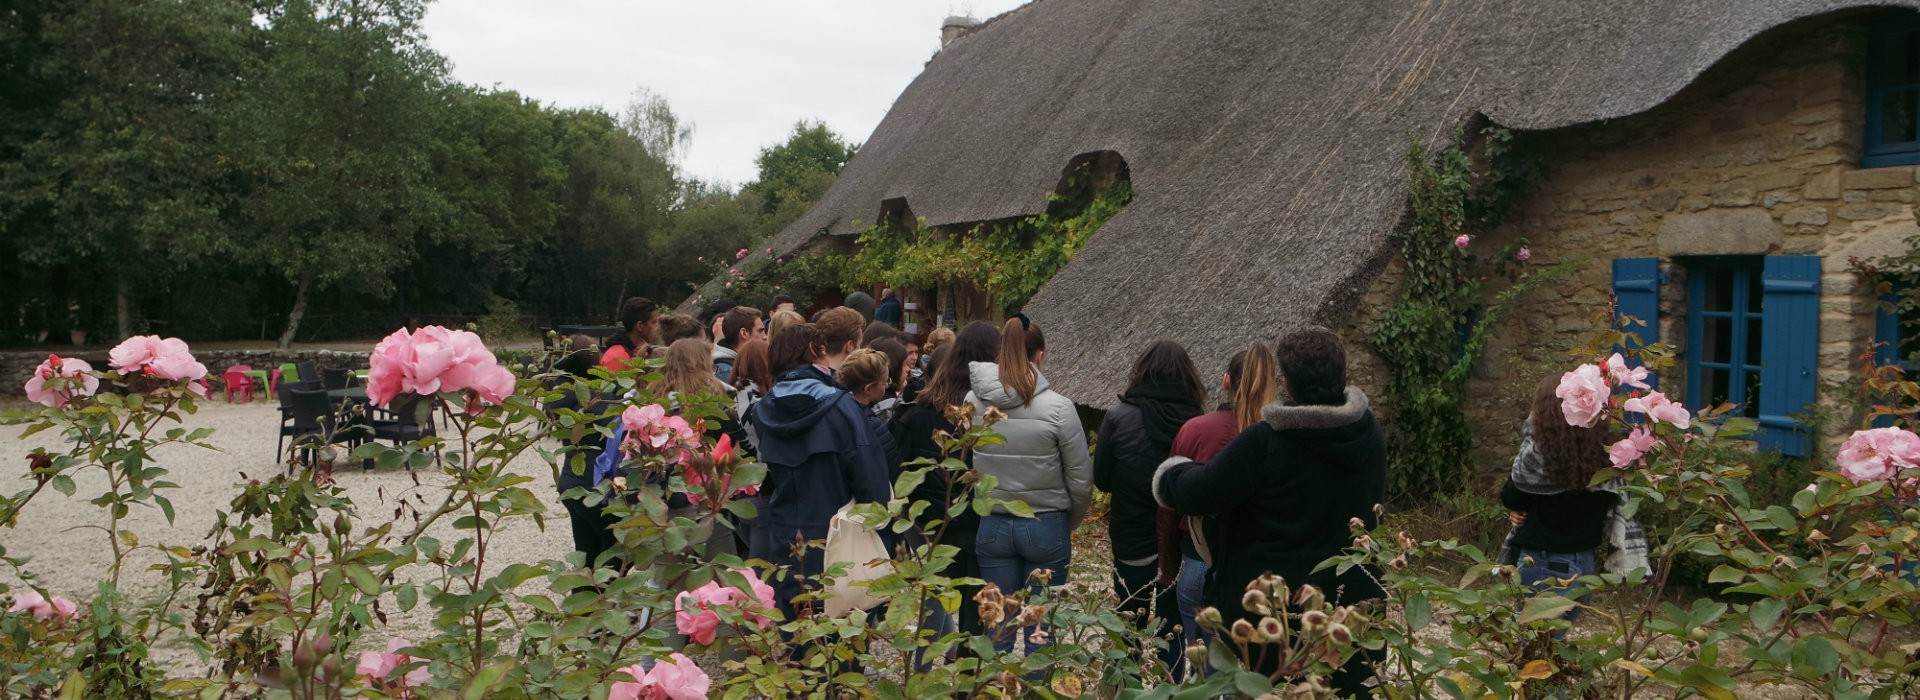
point(992, 416)
point(1313, 621)
point(1406, 541)
point(1272, 631)
point(1356, 524)
point(1209, 619)
point(1398, 562)
point(1308, 597)
point(1340, 634)
point(1243, 632)
point(1032, 615)
point(1255, 600)
point(1197, 655)
point(1817, 536)
point(1272, 584)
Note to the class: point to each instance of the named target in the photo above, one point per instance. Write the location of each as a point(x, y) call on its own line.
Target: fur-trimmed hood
point(1284, 416)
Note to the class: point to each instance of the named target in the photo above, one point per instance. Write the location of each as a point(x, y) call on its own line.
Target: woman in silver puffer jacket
point(1042, 462)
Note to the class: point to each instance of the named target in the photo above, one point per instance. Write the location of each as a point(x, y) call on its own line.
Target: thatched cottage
point(1718, 163)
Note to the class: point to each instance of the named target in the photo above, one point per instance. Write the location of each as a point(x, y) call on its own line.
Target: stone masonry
point(1758, 157)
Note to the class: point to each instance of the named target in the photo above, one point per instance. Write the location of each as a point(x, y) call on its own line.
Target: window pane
point(1906, 340)
point(1753, 342)
point(1713, 383)
point(1895, 61)
point(1750, 407)
point(1717, 340)
point(1719, 288)
point(1755, 291)
point(1897, 122)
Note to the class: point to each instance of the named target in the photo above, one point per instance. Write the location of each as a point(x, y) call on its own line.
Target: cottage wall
point(1757, 157)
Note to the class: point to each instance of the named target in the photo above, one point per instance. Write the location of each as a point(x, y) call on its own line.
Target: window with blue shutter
point(1725, 329)
point(1893, 92)
point(1789, 382)
point(1895, 342)
point(1636, 294)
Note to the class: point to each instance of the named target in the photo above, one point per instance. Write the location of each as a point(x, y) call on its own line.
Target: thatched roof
point(1265, 140)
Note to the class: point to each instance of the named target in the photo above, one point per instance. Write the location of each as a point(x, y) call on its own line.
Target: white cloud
point(743, 71)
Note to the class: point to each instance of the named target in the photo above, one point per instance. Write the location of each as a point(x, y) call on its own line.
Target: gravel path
point(71, 558)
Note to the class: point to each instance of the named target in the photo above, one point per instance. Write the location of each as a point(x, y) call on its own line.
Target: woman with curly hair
point(1559, 517)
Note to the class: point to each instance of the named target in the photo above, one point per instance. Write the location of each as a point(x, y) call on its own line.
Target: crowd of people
point(1206, 494)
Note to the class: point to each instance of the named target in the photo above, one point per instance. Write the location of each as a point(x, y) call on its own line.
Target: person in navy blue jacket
point(819, 455)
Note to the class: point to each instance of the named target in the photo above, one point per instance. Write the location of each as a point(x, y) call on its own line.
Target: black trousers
point(1154, 608)
point(592, 530)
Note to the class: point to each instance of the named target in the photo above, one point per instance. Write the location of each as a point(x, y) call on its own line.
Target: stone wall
point(1757, 157)
point(17, 367)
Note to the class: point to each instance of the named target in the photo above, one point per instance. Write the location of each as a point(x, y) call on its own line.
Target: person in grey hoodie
point(1042, 462)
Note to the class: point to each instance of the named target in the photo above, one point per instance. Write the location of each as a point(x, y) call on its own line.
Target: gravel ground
point(67, 550)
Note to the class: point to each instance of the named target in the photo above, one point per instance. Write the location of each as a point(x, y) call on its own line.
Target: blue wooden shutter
point(1789, 349)
point(1636, 293)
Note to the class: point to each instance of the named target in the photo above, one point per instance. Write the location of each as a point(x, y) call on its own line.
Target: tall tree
point(110, 171)
point(342, 120)
point(795, 173)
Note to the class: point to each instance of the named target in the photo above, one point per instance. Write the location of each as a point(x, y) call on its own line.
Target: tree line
point(307, 169)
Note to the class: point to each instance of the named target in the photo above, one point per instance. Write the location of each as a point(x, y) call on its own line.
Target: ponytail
point(1020, 340)
point(1252, 374)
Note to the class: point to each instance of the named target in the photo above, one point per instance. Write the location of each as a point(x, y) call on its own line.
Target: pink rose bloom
point(432, 360)
point(166, 358)
point(82, 383)
point(1621, 375)
point(1462, 241)
point(1630, 451)
point(1877, 454)
point(676, 678)
point(741, 254)
point(58, 609)
point(1524, 254)
point(1583, 395)
point(1659, 408)
point(380, 665)
point(759, 598)
point(693, 611)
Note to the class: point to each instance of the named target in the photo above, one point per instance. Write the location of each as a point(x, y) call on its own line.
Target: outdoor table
point(352, 394)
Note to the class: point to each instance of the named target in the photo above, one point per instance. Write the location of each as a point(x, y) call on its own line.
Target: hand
point(1517, 518)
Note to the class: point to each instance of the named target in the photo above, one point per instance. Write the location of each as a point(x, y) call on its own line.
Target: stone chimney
point(955, 26)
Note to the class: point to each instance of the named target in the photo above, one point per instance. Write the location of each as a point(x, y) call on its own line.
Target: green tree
point(341, 123)
point(615, 196)
point(796, 173)
point(110, 173)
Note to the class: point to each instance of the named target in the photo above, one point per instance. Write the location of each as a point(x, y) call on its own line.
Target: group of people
point(1206, 495)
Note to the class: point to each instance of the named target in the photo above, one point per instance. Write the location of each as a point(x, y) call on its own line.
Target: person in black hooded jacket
point(1163, 392)
point(1283, 493)
point(819, 454)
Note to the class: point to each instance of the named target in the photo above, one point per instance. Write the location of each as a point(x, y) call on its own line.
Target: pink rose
point(693, 611)
point(1632, 449)
point(1583, 395)
point(1523, 255)
point(741, 254)
point(432, 360)
point(58, 609)
point(379, 665)
point(166, 358)
point(676, 678)
point(75, 380)
point(1462, 241)
point(1659, 408)
point(1878, 454)
point(1621, 375)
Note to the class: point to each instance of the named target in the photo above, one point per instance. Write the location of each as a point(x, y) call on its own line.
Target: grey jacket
point(1043, 461)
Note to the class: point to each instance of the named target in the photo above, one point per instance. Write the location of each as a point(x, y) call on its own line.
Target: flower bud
point(1272, 584)
point(1863, 550)
point(303, 656)
point(1196, 655)
point(1243, 631)
point(1816, 536)
point(1308, 597)
point(341, 524)
point(1356, 524)
point(1208, 619)
point(1398, 562)
point(1406, 541)
point(1032, 615)
point(323, 644)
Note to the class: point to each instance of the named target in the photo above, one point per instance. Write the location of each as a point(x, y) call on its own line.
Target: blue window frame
point(1724, 357)
point(1893, 92)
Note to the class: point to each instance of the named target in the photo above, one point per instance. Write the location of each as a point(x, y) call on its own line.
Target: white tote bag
point(851, 541)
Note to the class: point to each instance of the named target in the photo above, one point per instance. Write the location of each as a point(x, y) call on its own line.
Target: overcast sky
point(742, 71)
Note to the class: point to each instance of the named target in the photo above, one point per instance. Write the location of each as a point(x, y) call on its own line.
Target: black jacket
point(1135, 438)
point(913, 428)
point(1282, 495)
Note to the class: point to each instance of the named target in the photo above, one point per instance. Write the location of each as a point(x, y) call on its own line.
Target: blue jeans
point(1553, 571)
point(1011, 548)
point(1190, 590)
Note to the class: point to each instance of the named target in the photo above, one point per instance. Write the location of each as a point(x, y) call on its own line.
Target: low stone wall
point(17, 366)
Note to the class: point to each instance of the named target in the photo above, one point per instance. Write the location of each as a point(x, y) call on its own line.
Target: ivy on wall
point(1441, 318)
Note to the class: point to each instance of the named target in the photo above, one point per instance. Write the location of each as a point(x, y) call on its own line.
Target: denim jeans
point(1011, 548)
point(1554, 571)
point(1190, 591)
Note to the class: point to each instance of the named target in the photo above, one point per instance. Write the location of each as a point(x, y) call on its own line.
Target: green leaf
point(1725, 574)
point(74, 687)
point(1814, 657)
point(1419, 612)
point(1765, 614)
point(487, 679)
point(1251, 684)
point(1546, 606)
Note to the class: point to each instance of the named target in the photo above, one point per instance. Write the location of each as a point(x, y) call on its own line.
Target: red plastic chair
point(236, 379)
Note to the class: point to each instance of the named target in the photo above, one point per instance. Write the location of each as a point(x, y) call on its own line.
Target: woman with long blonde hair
point(1249, 384)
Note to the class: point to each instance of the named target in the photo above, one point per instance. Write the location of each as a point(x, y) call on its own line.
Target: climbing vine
point(1009, 259)
point(1439, 322)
